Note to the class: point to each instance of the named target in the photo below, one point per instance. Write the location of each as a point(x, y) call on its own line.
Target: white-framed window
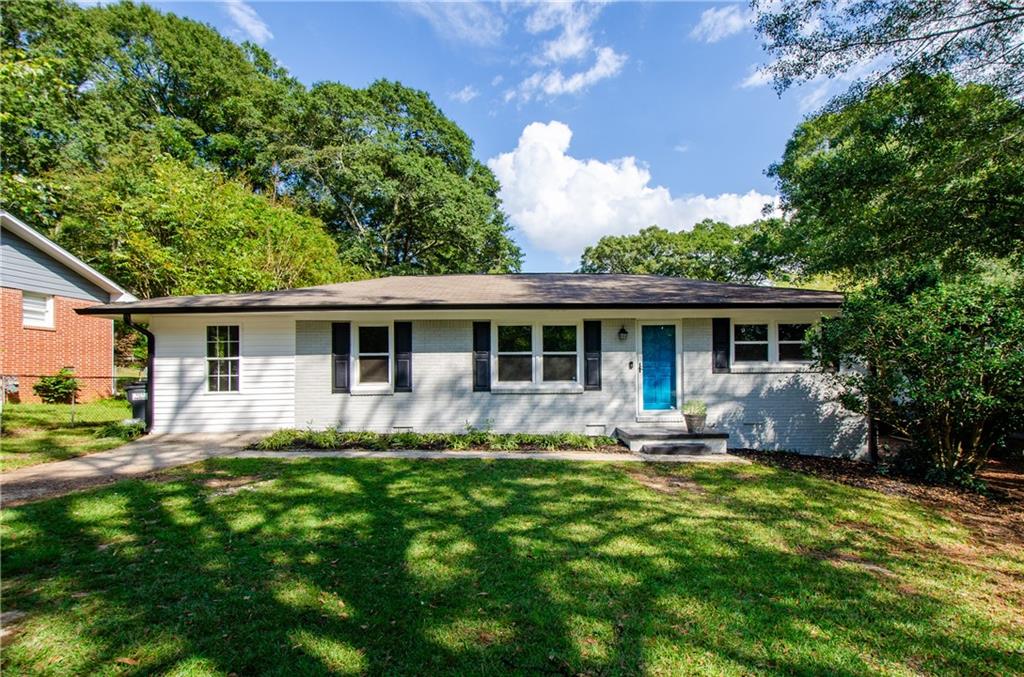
point(750, 342)
point(793, 342)
point(515, 353)
point(36, 310)
point(537, 353)
point(373, 354)
point(222, 358)
point(559, 356)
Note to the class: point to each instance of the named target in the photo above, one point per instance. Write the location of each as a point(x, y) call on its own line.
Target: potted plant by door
point(695, 413)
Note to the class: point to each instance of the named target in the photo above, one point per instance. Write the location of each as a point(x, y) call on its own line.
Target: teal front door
point(658, 366)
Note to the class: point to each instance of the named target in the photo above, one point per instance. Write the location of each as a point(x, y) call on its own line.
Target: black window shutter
point(720, 345)
point(592, 355)
point(403, 357)
point(341, 340)
point(481, 356)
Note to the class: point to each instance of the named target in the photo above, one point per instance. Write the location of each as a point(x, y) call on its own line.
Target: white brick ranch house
point(532, 352)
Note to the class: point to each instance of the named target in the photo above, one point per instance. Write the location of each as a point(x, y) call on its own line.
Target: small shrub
point(279, 439)
point(124, 431)
point(695, 408)
point(61, 388)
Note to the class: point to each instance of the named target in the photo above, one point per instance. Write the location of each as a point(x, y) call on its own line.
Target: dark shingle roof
point(532, 290)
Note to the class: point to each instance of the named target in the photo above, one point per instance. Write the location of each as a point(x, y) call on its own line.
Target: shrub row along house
point(41, 287)
point(532, 352)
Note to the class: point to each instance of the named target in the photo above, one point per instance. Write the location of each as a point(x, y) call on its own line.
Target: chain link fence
point(63, 400)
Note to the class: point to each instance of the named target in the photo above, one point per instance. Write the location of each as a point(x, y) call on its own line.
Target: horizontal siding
point(265, 400)
point(24, 267)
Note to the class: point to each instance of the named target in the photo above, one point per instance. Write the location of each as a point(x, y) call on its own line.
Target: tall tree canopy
point(173, 228)
point(977, 41)
point(393, 180)
point(919, 170)
point(397, 181)
point(713, 250)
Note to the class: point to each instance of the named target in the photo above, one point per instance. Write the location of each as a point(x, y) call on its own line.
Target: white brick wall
point(286, 382)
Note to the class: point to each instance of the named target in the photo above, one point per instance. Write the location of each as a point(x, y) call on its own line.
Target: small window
point(374, 355)
point(750, 342)
point(515, 353)
point(559, 353)
point(37, 310)
point(222, 358)
point(792, 342)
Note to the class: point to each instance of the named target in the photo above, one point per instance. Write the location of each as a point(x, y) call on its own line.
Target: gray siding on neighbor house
point(24, 267)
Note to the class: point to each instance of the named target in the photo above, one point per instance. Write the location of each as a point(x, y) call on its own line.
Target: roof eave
point(190, 310)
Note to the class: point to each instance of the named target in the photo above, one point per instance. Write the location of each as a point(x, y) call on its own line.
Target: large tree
point(391, 177)
point(884, 40)
point(396, 180)
point(712, 250)
point(946, 362)
point(919, 170)
point(166, 227)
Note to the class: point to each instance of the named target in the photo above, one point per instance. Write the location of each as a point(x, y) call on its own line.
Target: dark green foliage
point(921, 170)
point(711, 251)
point(332, 438)
point(117, 104)
point(60, 388)
point(124, 431)
point(945, 363)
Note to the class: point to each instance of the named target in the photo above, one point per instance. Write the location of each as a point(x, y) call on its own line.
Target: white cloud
point(562, 203)
point(681, 148)
point(758, 77)
point(466, 94)
point(497, 80)
point(574, 42)
point(718, 23)
point(574, 20)
point(247, 22)
point(472, 21)
point(607, 63)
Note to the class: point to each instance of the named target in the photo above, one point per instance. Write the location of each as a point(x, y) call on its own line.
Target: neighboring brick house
point(41, 287)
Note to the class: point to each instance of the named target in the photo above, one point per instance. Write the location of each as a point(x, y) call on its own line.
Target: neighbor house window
point(222, 358)
point(374, 354)
point(37, 310)
point(750, 342)
point(515, 353)
point(559, 352)
point(792, 342)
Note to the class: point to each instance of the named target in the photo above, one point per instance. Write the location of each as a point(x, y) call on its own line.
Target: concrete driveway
point(141, 457)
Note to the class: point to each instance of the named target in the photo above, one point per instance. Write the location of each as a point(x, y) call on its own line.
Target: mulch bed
point(997, 517)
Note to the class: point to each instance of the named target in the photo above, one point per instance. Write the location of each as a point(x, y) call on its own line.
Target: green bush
point(61, 388)
point(124, 431)
point(332, 438)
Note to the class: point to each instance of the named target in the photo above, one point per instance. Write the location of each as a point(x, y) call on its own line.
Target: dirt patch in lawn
point(665, 484)
point(996, 520)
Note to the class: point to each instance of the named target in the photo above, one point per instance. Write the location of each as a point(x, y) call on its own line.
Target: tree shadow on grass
point(458, 567)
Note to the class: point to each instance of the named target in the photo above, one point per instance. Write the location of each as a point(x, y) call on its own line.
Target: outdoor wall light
point(623, 334)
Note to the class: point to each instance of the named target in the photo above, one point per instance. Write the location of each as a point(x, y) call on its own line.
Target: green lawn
point(476, 567)
point(37, 433)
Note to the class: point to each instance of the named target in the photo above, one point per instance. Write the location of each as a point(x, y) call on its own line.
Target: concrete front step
point(663, 440)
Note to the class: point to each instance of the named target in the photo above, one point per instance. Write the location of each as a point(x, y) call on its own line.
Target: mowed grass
point(485, 567)
point(38, 433)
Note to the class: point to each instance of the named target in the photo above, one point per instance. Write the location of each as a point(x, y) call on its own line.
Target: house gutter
point(150, 354)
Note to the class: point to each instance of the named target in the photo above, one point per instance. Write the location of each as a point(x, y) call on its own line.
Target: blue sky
point(597, 118)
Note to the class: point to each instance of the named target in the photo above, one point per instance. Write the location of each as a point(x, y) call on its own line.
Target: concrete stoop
point(671, 441)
